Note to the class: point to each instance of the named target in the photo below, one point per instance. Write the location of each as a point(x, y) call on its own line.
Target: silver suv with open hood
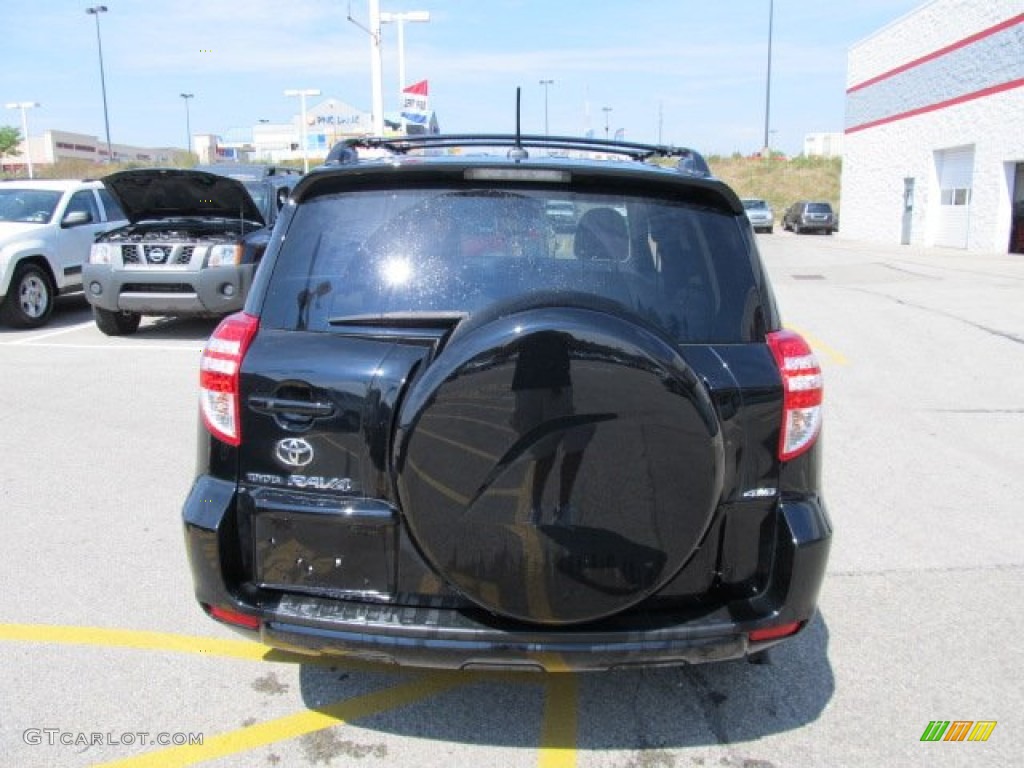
point(191, 247)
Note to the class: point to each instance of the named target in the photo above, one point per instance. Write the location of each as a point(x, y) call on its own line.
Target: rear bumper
point(439, 636)
point(815, 226)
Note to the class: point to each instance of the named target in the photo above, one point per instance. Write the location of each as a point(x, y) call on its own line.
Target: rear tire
point(29, 301)
point(116, 323)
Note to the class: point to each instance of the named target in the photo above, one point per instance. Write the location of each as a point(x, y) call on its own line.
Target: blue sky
point(680, 71)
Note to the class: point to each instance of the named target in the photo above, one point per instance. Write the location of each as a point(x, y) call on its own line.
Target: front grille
point(157, 254)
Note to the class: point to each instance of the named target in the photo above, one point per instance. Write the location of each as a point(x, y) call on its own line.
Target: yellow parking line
point(291, 726)
point(558, 727)
point(245, 650)
point(142, 640)
point(833, 355)
point(558, 732)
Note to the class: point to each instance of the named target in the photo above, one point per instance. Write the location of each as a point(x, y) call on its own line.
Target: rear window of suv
point(367, 253)
point(819, 208)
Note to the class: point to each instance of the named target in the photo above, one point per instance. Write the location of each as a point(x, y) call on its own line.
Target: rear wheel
point(116, 323)
point(29, 301)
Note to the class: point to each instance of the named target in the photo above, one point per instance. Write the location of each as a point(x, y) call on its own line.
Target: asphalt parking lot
point(107, 660)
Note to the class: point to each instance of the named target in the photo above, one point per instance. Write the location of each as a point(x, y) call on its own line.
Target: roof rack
point(690, 161)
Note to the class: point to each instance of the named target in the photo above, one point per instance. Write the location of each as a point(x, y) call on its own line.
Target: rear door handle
point(304, 408)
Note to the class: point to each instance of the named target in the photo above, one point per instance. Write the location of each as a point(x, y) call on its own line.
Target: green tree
point(10, 138)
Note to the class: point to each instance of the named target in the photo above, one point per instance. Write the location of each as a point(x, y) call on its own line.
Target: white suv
point(46, 230)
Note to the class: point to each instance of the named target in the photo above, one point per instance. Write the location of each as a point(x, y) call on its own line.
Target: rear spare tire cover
point(544, 406)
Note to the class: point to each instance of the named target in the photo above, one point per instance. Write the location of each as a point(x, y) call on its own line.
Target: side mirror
point(76, 219)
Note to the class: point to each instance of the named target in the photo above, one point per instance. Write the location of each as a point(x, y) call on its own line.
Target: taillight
point(218, 376)
point(802, 392)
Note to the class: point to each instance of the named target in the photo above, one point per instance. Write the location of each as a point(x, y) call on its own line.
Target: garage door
point(955, 171)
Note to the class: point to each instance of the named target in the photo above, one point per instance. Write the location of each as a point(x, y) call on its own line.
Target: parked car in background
point(809, 216)
point(46, 230)
point(438, 435)
point(761, 216)
point(191, 248)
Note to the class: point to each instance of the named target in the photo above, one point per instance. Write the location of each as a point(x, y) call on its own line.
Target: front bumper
point(441, 635)
point(168, 291)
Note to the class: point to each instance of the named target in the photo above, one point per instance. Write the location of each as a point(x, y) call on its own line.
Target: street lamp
point(188, 122)
point(606, 110)
point(302, 93)
point(546, 83)
point(23, 105)
point(96, 10)
point(768, 77)
point(400, 19)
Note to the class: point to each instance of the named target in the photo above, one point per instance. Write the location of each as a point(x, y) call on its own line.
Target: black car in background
point(448, 430)
point(810, 216)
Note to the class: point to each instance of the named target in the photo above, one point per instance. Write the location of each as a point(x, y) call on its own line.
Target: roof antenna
point(517, 152)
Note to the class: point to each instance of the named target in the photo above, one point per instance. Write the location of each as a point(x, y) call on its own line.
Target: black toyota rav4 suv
point(444, 432)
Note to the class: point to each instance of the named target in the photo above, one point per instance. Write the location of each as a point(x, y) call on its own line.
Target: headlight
point(101, 253)
point(222, 255)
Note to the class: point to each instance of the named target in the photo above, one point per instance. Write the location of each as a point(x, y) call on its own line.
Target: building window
point(956, 196)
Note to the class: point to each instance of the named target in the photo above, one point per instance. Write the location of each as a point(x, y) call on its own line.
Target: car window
point(819, 208)
point(684, 269)
point(752, 205)
point(111, 206)
point(258, 192)
point(83, 201)
point(29, 206)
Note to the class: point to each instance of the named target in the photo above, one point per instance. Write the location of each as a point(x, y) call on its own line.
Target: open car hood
point(166, 193)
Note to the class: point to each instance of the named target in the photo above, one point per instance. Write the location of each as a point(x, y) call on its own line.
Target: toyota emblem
point(294, 452)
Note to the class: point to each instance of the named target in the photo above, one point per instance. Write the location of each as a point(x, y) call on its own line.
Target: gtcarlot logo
point(53, 737)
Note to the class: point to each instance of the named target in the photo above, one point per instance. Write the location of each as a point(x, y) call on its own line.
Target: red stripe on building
point(940, 105)
point(941, 52)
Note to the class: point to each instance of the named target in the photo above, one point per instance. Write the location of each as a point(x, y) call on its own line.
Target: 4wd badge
point(293, 452)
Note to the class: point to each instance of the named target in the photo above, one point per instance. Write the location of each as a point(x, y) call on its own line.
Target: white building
point(823, 145)
point(53, 146)
point(327, 123)
point(934, 139)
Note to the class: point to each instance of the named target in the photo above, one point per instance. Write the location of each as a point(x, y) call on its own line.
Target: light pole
point(23, 105)
point(606, 111)
point(188, 123)
point(400, 19)
point(768, 77)
point(376, 67)
point(302, 93)
point(546, 83)
point(96, 10)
